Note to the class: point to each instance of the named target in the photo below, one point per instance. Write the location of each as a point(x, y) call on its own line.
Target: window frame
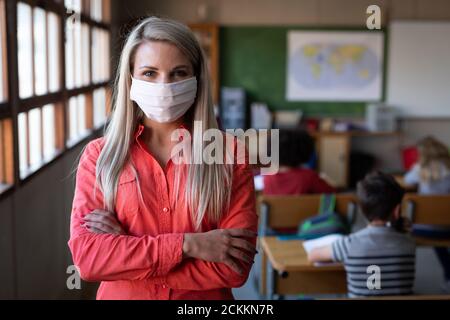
point(14, 105)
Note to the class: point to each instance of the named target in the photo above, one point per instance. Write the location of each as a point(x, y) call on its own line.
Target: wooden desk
point(427, 242)
point(290, 272)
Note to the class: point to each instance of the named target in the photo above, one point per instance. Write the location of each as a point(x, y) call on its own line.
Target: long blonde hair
point(207, 188)
point(434, 159)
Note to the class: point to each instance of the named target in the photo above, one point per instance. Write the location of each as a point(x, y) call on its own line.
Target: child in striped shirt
point(380, 259)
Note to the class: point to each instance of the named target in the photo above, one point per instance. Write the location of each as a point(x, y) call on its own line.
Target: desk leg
point(272, 276)
point(270, 282)
point(282, 274)
point(263, 273)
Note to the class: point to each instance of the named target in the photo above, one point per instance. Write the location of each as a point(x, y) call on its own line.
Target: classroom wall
point(282, 12)
point(415, 129)
point(273, 12)
point(6, 250)
point(34, 230)
point(232, 13)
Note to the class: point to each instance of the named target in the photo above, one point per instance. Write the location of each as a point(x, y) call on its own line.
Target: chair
point(284, 212)
point(429, 212)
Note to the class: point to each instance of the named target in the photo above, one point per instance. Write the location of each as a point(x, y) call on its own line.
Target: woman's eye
point(181, 73)
point(149, 73)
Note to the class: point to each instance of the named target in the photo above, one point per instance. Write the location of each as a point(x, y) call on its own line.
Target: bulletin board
point(254, 57)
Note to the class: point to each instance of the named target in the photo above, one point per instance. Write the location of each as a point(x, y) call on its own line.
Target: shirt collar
point(141, 127)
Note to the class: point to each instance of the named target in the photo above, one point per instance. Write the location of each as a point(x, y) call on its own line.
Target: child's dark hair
point(378, 195)
point(296, 147)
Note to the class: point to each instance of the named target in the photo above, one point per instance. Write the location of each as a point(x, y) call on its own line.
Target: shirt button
point(165, 209)
point(164, 286)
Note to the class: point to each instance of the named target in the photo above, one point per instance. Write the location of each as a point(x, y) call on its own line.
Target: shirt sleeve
point(319, 185)
point(413, 175)
point(195, 274)
point(107, 257)
point(339, 249)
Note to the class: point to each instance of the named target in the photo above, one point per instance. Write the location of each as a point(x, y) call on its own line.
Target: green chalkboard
point(255, 58)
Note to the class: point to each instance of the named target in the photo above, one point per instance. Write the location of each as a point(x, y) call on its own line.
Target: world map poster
point(335, 65)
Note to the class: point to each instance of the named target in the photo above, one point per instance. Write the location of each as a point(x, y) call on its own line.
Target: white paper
point(309, 245)
point(259, 183)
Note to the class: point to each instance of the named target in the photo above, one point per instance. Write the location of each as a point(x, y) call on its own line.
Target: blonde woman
point(143, 226)
point(432, 172)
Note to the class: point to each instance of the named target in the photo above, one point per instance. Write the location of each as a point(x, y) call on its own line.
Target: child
point(296, 149)
point(379, 259)
point(432, 174)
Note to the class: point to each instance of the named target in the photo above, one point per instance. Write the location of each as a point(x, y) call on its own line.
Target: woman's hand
point(100, 221)
point(221, 245)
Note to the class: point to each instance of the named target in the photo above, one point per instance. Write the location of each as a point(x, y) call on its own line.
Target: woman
point(432, 175)
point(145, 227)
point(432, 172)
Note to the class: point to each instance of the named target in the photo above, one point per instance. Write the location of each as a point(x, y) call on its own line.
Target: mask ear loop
point(141, 114)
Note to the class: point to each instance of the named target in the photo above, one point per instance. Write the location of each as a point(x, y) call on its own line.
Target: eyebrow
point(154, 68)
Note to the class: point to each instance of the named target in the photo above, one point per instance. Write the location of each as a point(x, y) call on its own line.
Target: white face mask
point(164, 102)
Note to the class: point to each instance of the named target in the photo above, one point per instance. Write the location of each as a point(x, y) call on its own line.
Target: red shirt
point(295, 181)
point(147, 262)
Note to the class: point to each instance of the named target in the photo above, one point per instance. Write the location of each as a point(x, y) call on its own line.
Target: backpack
point(325, 223)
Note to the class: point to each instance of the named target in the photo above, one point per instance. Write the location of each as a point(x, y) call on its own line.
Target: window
point(77, 119)
point(48, 132)
point(85, 44)
point(40, 123)
point(99, 107)
point(25, 49)
point(77, 55)
point(35, 137)
point(55, 112)
point(96, 10)
point(100, 10)
point(38, 132)
point(53, 23)
point(100, 55)
point(23, 143)
point(87, 65)
point(56, 101)
point(40, 51)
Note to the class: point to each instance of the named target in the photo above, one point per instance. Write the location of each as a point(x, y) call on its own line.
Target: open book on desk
point(309, 245)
